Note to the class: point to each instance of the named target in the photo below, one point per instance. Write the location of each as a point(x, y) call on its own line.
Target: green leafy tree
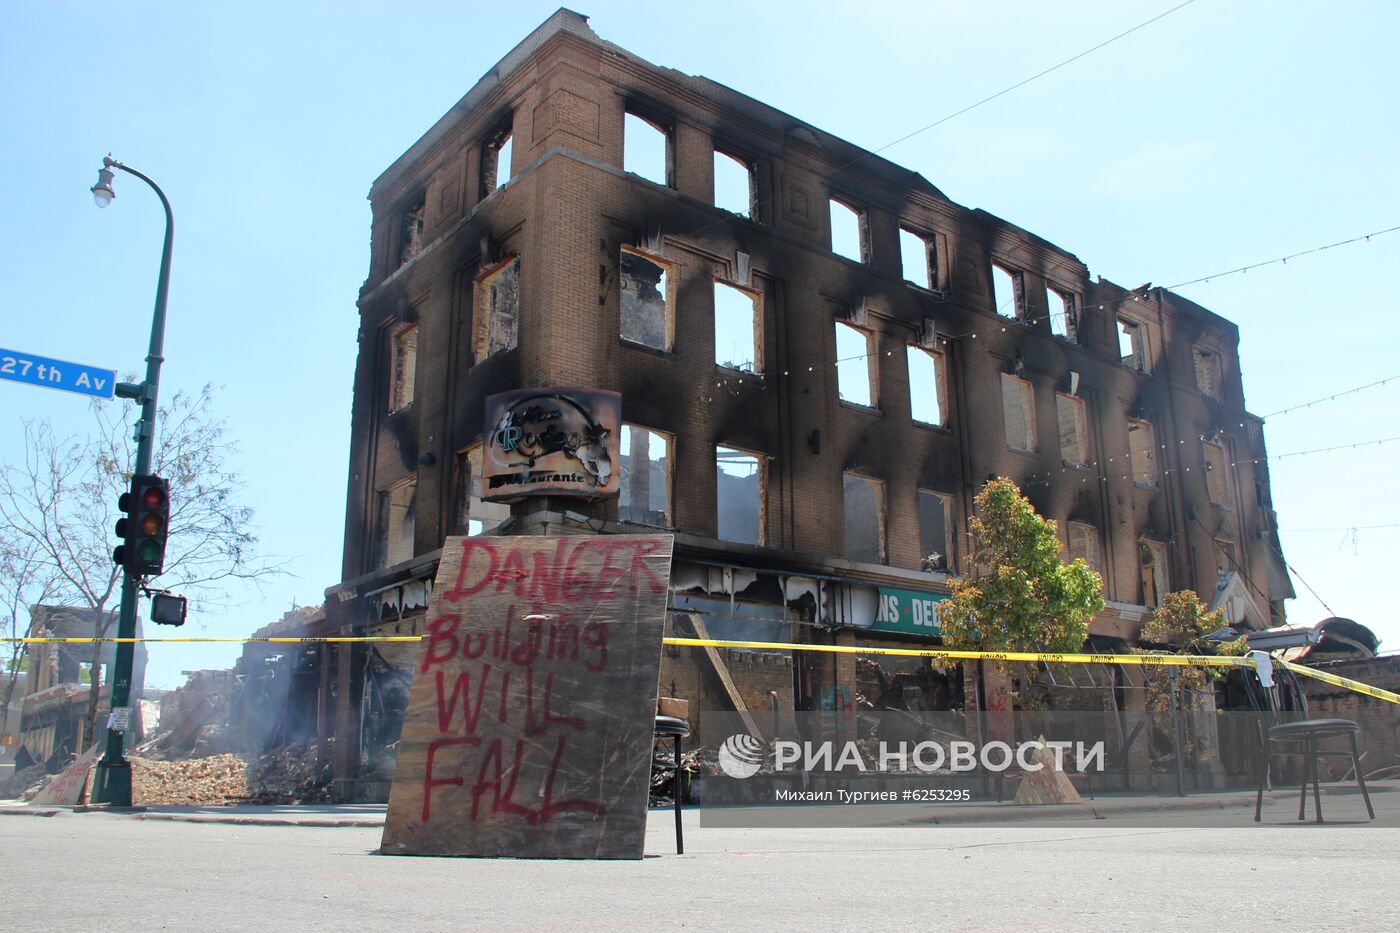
point(1183, 622)
point(1020, 596)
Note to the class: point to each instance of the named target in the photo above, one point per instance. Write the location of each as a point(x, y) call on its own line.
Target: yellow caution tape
point(1346, 682)
point(1139, 660)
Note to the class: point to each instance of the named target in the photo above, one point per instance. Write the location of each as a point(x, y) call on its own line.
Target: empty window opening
point(646, 149)
point(1207, 371)
point(498, 309)
point(739, 495)
point(846, 231)
point(1153, 557)
point(411, 231)
point(471, 515)
point(404, 350)
point(855, 365)
point(496, 160)
point(1084, 543)
point(396, 519)
point(1018, 412)
point(1142, 452)
point(1224, 558)
point(1062, 310)
point(914, 255)
point(1131, 344)
point(734, 188)
point(928, 402)
point(646, 300)
point(1006, 292)
point(738, 317)
point(865, 518)
point(935, 527)
point(1217, 474)
point(644, 494)
point(1074, 428)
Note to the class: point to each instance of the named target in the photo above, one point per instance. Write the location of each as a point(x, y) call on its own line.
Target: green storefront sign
point(908, 612)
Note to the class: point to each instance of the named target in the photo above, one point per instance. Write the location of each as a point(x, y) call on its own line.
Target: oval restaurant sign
point(558, 442)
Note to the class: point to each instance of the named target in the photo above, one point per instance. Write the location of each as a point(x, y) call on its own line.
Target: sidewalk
point(1105, 807)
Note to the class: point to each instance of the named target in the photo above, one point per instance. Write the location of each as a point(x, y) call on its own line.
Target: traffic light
point(144, 529)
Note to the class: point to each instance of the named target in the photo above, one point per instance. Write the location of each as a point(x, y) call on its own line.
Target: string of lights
point(1333, 397)
point(1300, 531)
point(1283, 260)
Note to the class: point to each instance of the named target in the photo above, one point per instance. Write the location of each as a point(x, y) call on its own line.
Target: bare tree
point(60, 505)
point(26, 579)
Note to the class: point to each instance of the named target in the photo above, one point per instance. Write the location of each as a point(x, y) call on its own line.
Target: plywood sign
point(529, 724)
point(68, 788)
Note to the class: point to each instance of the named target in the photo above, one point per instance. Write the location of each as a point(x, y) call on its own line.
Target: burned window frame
point(761, 465)
point(1143, 474)
point(949, 538)
point(1087, 532)
point(1069, 301)
point(750, 168)
point(668, 298)
point(930, 252)
point(625, 469)
point(1018, 291)
point(1139, 360)
point(1028, 409)
point(756, 297)
point(872, 363)
point(466, 476)
point(383, 521)
point(938, 359)
point(667, 130)
point(491, 148)
point(1216, 473)
point(485, 282)
point(1213, 364)
point(1081, 415)
point(411, 227)
point(1161, 581)
point(403, 378)
point(862, 217)
point(881, 503)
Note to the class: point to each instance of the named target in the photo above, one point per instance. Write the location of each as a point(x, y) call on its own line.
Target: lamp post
point(112, 779)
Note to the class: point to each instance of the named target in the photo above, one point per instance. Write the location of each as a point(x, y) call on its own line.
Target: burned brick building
point(820, 359)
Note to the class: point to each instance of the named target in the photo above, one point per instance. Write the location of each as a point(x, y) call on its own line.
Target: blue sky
point(1227, 133)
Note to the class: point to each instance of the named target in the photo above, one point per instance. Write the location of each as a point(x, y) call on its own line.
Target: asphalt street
point(1172, 870)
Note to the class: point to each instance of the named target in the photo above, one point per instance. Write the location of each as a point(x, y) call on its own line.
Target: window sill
point(935, 428)
point(1141, 485)
point(857, 406)
point(1075, 465)
point(393, 412)
point(1023, 451)
point(655, 351)
point(741, 373)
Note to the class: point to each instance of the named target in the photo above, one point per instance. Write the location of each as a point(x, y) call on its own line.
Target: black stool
point(678, 729)
point(1301, 738)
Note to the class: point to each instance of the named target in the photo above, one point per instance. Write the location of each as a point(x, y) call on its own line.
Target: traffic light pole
point(112, 778)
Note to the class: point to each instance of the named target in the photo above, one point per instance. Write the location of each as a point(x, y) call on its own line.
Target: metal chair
point(677, 729)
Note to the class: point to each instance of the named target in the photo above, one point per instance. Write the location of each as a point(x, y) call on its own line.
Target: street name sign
point(56, 374)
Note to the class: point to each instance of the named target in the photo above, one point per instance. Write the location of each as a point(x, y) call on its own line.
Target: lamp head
point(102, 192)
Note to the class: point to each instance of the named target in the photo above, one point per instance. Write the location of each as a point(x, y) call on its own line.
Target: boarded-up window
point(1084, 542)
point(470, 514)
point(1018, 412)
point(739, 494)
point(734, 188)
point(847, 231)
point(865, 518)
point(646, 149)
point(397, 506)
point(928, 401)
point(646, 300)
point(1007, 292)
point(644, 494)
point(738, 328)
point(914, 255)
point(498, 308)
point(403, 352)
point(1132, 344)
point(1217, 474)
point(1074, 428)
point(935, 526)
point(1142, 452)
point(1062, 312)
point(1207, 371)
point(411, 228)
point(1155, 585)
point(855, 365)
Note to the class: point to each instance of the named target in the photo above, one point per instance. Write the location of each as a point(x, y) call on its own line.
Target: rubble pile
point(217, 780)
point(288, 775)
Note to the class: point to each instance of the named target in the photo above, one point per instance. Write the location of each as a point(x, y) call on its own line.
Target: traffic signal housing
point(145, 527)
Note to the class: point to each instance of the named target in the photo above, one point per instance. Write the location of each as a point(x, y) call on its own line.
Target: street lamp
point(112, 780)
